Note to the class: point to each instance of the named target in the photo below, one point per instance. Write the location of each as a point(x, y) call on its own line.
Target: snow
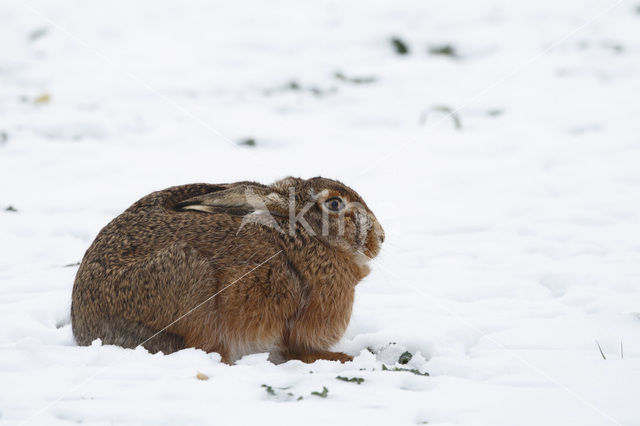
point(512, 243)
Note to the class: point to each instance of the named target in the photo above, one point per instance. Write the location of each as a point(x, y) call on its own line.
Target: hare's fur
point(170, 252)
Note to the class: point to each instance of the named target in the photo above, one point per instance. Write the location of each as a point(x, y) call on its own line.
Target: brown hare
point(234, 268)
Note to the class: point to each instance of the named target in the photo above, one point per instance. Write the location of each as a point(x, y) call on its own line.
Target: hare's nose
point(381, 237)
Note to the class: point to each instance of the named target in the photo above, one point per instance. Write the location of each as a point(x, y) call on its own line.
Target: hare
point(233, 268)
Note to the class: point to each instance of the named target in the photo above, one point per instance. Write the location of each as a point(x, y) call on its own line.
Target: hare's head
point(326, 209)
point(331, 212)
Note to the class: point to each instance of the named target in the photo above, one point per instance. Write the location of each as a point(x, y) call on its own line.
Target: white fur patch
point(200, 207)
point(240, 349)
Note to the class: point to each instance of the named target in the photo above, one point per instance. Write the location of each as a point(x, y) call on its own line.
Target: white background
point(513, 243)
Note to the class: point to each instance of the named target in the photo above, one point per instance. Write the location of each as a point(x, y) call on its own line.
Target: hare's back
point(153, 223)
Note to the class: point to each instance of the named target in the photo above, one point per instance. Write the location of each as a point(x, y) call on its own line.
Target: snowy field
point(513, 224)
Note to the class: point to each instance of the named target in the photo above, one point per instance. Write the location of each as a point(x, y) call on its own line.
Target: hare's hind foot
point(129, 334)
point(164, 342)
point(310, 357)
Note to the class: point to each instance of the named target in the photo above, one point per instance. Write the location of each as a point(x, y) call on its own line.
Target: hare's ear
point(237, 200)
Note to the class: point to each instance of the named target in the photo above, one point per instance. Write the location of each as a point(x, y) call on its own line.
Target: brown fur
point(174, 249)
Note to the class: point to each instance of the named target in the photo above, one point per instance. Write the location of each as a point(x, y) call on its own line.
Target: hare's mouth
point(366, 253)
point(361, 258)
point(373, 243)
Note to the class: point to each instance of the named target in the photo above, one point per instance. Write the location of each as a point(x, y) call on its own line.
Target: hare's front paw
point(310, 357)
point(337, 356)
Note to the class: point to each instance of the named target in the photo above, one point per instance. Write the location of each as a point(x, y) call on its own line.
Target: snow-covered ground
point(513, 226)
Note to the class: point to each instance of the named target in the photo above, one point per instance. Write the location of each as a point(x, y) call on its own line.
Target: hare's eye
point(334, 204)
